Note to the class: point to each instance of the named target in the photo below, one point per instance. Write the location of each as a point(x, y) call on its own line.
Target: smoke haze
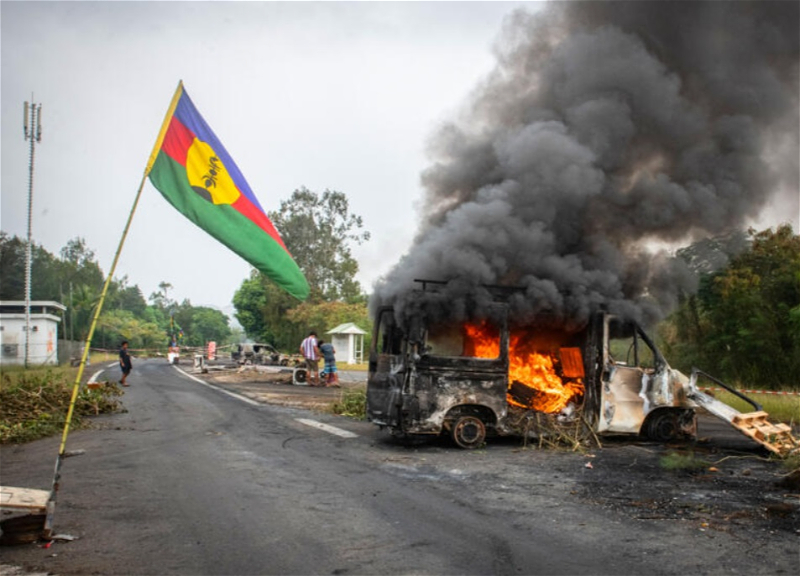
point(606, 128)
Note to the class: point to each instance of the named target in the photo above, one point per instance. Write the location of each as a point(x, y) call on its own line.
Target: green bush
point(352, 402)
point(34, 403)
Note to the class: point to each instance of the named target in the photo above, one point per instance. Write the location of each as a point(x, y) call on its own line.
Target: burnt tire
point(663, 427)
point(468, 432)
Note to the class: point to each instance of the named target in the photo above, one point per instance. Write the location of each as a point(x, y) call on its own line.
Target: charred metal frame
point(412, 391)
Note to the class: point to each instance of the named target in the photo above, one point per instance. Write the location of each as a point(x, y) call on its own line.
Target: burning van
point(485, 376)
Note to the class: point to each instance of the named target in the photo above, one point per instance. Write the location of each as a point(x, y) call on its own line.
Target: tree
point(753, 331)
point(327, 315)
point(12, 267)
point(261, 309)
point(46, 272)
point(114, 326)
point(160, 299)
point(207, 324)
point(744, 323)
point(124, 297)
point(318, 231)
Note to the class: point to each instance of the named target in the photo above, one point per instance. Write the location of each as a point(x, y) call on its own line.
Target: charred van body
point(486, 376)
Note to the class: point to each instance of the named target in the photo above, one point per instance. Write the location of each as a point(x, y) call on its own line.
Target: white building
point(43, 344)
point(348, 340)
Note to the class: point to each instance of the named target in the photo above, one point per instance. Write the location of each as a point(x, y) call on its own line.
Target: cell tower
point(33, 133)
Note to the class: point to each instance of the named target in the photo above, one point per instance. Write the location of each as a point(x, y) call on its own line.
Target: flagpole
point(51, 503)
point(76, 386)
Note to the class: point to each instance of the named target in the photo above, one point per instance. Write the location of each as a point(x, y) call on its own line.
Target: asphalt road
point(193, 480)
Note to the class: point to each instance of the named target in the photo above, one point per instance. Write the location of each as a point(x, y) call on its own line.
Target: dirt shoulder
point(274, 385)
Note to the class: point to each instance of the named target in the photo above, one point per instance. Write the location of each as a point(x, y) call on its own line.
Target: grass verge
point(351, 402)
point(784, 409)
point(34, 402)
point(683, 461)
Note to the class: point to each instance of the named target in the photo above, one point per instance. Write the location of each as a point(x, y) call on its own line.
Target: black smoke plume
point(605, 130)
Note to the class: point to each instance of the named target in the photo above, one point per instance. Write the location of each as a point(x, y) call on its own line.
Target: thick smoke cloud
point(606, 128)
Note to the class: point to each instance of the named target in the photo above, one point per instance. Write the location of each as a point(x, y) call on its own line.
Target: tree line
point(743, 323)
point(75, 279)
point(319, 231)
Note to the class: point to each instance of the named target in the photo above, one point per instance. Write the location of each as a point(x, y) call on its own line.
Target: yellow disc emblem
point(208, 176)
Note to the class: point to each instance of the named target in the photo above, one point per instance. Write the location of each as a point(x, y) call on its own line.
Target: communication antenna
point(33, 133)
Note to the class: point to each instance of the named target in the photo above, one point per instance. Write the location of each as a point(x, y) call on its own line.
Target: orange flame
point(482, 340)
point(534, 369)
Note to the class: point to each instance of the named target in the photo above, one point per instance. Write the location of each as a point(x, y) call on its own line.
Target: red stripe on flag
point(177, 141)
point(247, 209)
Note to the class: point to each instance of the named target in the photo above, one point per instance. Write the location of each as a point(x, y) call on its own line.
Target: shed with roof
point(348, 339)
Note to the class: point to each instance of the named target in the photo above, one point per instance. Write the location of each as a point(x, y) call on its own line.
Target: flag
point(193, 171)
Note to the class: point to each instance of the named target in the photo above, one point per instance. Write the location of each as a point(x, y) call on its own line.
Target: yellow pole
point(76, 386)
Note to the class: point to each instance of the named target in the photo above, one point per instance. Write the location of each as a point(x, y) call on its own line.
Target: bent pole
point(76, 386)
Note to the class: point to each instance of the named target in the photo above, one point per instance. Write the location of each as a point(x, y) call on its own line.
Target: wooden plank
point(750, 416)
point(23, 498)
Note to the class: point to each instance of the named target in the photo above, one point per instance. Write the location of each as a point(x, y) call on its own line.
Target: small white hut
point(43, 343)
point(348, 339)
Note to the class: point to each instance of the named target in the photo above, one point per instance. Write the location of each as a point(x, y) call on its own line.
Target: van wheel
point(663, 427)
point(469, 432)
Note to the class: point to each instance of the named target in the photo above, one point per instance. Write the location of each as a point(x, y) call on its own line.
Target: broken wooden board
point(28, 499)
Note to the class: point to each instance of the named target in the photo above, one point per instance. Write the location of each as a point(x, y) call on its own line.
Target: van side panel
point(436, 392)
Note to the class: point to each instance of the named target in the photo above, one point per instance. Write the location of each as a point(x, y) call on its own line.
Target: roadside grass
point(351, 402)
point(353, 367)
point(792, 462)
point(102, 356)
point(784, 409)
point(34, 402)
point(682, 461)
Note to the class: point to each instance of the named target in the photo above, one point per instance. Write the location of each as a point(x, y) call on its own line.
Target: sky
point(345, 96)
point(323, 95)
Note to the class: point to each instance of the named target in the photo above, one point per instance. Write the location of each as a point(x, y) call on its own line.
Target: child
point(330, 377)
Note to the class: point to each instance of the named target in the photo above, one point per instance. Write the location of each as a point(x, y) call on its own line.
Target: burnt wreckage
point(487, 376)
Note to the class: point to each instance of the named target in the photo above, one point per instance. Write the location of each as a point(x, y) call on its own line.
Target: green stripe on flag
point(229, 226)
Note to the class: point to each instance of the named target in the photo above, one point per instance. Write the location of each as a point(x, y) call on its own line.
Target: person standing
point(329, 373)
point(309, 350)
point(125, 362)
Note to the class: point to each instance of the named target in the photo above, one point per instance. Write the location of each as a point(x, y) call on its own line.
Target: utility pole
point(33, 133)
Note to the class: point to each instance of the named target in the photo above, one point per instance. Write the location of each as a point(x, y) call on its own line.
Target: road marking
point(327, 428)
point(93, 379)
point(218, 389)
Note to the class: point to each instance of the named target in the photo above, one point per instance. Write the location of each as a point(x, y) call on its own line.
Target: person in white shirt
point(309, 350)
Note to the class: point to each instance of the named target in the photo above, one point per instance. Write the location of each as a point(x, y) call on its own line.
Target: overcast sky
point(329, 95)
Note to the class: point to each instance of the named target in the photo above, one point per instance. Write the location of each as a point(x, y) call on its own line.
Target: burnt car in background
point(263, 355)
point(485, 377)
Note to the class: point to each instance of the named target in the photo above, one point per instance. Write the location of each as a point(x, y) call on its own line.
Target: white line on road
point(327, 428)
point(93, 379)
point(218, 389)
